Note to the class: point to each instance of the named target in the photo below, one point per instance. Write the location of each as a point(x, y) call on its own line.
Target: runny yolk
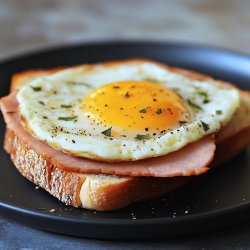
point(134, 105)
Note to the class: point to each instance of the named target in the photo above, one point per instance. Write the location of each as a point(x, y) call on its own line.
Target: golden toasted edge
point(102, 192)
point(65, 186)
point(21, 78)
point(98, 192)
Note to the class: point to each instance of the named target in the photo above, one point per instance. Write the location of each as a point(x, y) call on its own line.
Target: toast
point(108, 192)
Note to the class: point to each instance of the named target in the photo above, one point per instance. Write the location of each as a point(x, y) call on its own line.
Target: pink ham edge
point(193, 159)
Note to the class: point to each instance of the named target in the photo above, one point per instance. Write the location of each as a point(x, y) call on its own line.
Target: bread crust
point(62, 184)
point(101, 192)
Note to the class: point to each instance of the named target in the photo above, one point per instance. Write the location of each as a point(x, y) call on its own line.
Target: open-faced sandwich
point(105, 135)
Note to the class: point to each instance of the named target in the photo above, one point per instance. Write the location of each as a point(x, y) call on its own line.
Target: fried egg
point(124, 111)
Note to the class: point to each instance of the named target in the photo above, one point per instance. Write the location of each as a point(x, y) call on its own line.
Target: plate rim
point(104, 221)
point(59, 47)
point(113, 221)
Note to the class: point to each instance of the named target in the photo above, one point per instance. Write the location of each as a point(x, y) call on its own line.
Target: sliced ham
point(193, 159)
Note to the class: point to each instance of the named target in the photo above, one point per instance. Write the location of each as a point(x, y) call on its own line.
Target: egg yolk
point(135, 105)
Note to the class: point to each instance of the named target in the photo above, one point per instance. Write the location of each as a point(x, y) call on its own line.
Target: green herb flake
point(194, 105)
point(143, 110)
point(45, 117)
point(79, 83)
point(218, 112)
point(41, 102)
point(70, 118)
point(142, 137)
point(66, 106)
point(205, 126)
point(206, 101)
point(107, 132)
point(159, 111)
point(36, 89)
point(204, 95)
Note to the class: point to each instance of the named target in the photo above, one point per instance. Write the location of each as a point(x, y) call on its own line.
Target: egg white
point(50, 108)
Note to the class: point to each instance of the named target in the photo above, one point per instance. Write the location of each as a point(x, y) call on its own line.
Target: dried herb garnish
point(194, 105)
point(10, 112)
point(45, 117)
point(66, 106)
point(204, 95)
point(69, 118)
point(159, 111)
point(41, 102)
point(116, 87)
point(205, 126)
point(143, 110)
point(142, 137)
point(218, 112)
point(127, 94)
point(107, 132)
point(36, 89)
point(206, 101)
point(79, 83)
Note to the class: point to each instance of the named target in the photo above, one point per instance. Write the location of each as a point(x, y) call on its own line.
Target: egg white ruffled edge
point(133, 150)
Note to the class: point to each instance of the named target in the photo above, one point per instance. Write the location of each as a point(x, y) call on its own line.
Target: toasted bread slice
point(108, 192)
point(92, 191)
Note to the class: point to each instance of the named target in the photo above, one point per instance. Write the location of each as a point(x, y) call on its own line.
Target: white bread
point(108, 192)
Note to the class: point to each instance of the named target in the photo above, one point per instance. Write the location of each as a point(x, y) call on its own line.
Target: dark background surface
point(27, 25)
point(16, 236)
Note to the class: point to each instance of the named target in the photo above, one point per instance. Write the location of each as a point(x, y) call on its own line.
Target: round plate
point(215, 199)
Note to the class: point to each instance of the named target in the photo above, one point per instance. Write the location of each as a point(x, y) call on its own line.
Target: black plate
point(216, 199)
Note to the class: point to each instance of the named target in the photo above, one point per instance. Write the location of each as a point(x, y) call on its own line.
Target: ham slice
point(193, 159)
